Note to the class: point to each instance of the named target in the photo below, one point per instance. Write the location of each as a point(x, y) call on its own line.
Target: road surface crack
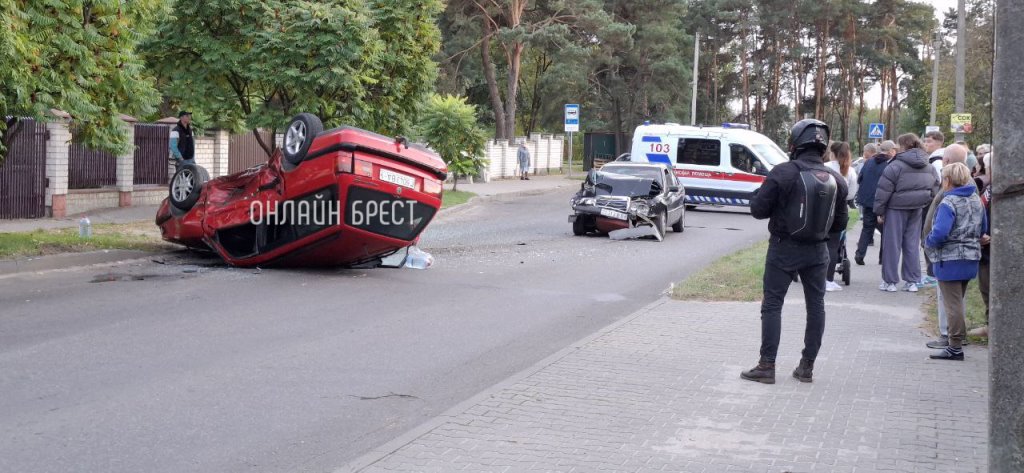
point(374, 398)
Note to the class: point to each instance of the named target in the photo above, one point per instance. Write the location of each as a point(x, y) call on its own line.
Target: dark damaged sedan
point(629, 200)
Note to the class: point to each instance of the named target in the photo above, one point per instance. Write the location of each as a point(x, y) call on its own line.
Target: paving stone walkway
point(660, 391)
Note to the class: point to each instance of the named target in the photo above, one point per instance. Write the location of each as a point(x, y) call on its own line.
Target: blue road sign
point(876, 131)
point(572, 117)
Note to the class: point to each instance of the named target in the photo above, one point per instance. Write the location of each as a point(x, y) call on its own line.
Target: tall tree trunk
point(500, 129)
point(819, 82)
point(515, 59)
point(745, 71)
point(894, 99)
point(860, 114)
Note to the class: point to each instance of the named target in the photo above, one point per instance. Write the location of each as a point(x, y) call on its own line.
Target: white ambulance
point(716, 165)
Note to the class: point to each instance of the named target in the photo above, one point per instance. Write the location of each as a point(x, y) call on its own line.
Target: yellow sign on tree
point(961, 123)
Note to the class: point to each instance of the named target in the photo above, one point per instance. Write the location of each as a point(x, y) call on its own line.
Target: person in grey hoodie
point(906, 187)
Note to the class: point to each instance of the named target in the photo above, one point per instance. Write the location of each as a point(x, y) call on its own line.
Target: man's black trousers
point(786, 259)
point(867, 232)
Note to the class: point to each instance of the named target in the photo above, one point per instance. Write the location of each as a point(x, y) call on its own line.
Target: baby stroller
point(843, 266)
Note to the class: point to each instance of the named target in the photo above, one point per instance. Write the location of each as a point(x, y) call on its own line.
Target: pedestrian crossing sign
point(876, 131)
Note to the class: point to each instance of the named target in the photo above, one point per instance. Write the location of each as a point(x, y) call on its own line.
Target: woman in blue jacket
point(954, 248)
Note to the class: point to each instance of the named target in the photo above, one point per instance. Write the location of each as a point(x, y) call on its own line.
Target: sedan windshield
point(636, 171)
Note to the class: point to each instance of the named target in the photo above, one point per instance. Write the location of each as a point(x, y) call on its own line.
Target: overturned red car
point(341, 197)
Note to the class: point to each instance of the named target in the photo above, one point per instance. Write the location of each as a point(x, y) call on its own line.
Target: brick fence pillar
point(126, 172)
point(57, 160)
point(221, 141)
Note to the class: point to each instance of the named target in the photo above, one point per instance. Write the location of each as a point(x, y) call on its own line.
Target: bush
point(449, 126)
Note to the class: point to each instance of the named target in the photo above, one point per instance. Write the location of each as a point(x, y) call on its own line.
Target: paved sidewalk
point(113, 215)
point(660, 391)
point(517, 186)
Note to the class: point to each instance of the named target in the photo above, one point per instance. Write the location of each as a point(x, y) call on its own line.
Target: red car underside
point(232, 215)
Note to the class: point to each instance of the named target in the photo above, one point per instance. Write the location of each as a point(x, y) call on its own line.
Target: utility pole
point(937, 48)
point(696, 75)
point(1006, 326)
point(961, 57)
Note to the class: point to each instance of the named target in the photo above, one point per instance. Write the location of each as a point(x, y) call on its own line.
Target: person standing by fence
point(524, 162)
point(182, 143)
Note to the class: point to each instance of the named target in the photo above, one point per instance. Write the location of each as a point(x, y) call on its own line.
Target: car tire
point(299, 135)
point(680, 226)
point(661, 223)
point(579, 226)
point(186, 185)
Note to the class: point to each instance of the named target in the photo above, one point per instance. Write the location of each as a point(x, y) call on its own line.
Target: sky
point(941, 6)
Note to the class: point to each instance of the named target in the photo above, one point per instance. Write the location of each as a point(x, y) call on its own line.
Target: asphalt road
point(188, 365)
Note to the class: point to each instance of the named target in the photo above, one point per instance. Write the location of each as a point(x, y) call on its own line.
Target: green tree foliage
point(449, 126)
point(760, 61)
point(506, 32)
point(978, 85)
point(77, 56)
point(256, 63)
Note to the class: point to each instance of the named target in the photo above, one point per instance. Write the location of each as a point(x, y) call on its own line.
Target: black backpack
point(812, 203)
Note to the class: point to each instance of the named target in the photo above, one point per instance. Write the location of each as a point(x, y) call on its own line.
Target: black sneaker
point(764, 372)
point(859, 260)
point(948, 354)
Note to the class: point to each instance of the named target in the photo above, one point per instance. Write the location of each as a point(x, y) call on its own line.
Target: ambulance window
point(741, 158)
point(699, 152)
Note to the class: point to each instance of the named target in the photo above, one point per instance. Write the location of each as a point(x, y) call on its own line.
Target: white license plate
point(613, 214)
point(399, 179)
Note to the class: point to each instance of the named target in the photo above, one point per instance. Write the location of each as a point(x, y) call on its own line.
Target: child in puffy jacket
point(953, 245)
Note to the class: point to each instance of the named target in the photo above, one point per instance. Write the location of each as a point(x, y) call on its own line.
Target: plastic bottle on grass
point(84, 228)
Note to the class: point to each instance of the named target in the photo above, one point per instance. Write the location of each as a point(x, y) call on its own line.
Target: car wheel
point(299, 136)
point(579, 226)
point(661, 223)
point(679, 226)
point(186, 185)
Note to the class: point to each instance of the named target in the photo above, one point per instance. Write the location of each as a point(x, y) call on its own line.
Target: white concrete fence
point(546, 156)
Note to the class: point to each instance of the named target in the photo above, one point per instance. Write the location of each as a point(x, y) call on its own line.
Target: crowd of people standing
point(920, 194)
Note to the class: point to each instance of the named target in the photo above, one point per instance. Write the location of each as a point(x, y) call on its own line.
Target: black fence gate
point(151, 153)
point(23, 174)
point(89, 168)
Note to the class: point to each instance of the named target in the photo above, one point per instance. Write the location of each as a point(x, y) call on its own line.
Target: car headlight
point(587, 201)
point(640, 208)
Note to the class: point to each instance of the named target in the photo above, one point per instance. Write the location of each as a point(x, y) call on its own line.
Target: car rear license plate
point(386, 214)
point(397, 178)
point(613, 214)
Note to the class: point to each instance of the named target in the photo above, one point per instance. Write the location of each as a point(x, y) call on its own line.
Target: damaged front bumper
point(635, 222)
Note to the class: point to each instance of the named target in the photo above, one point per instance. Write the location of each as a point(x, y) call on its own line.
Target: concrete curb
point(382, 452)
point(69, 261)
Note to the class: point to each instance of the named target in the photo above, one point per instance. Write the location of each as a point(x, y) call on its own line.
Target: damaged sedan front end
point(628, 201)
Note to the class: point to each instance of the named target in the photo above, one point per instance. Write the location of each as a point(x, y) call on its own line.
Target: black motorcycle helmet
point(808, 133)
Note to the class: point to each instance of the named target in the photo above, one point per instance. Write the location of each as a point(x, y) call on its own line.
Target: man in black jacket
point(782, 196)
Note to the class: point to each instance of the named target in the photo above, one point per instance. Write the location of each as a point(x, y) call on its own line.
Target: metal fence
point(245, 152)
point(23, 174)
point(151, 153)
point(89, 168)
